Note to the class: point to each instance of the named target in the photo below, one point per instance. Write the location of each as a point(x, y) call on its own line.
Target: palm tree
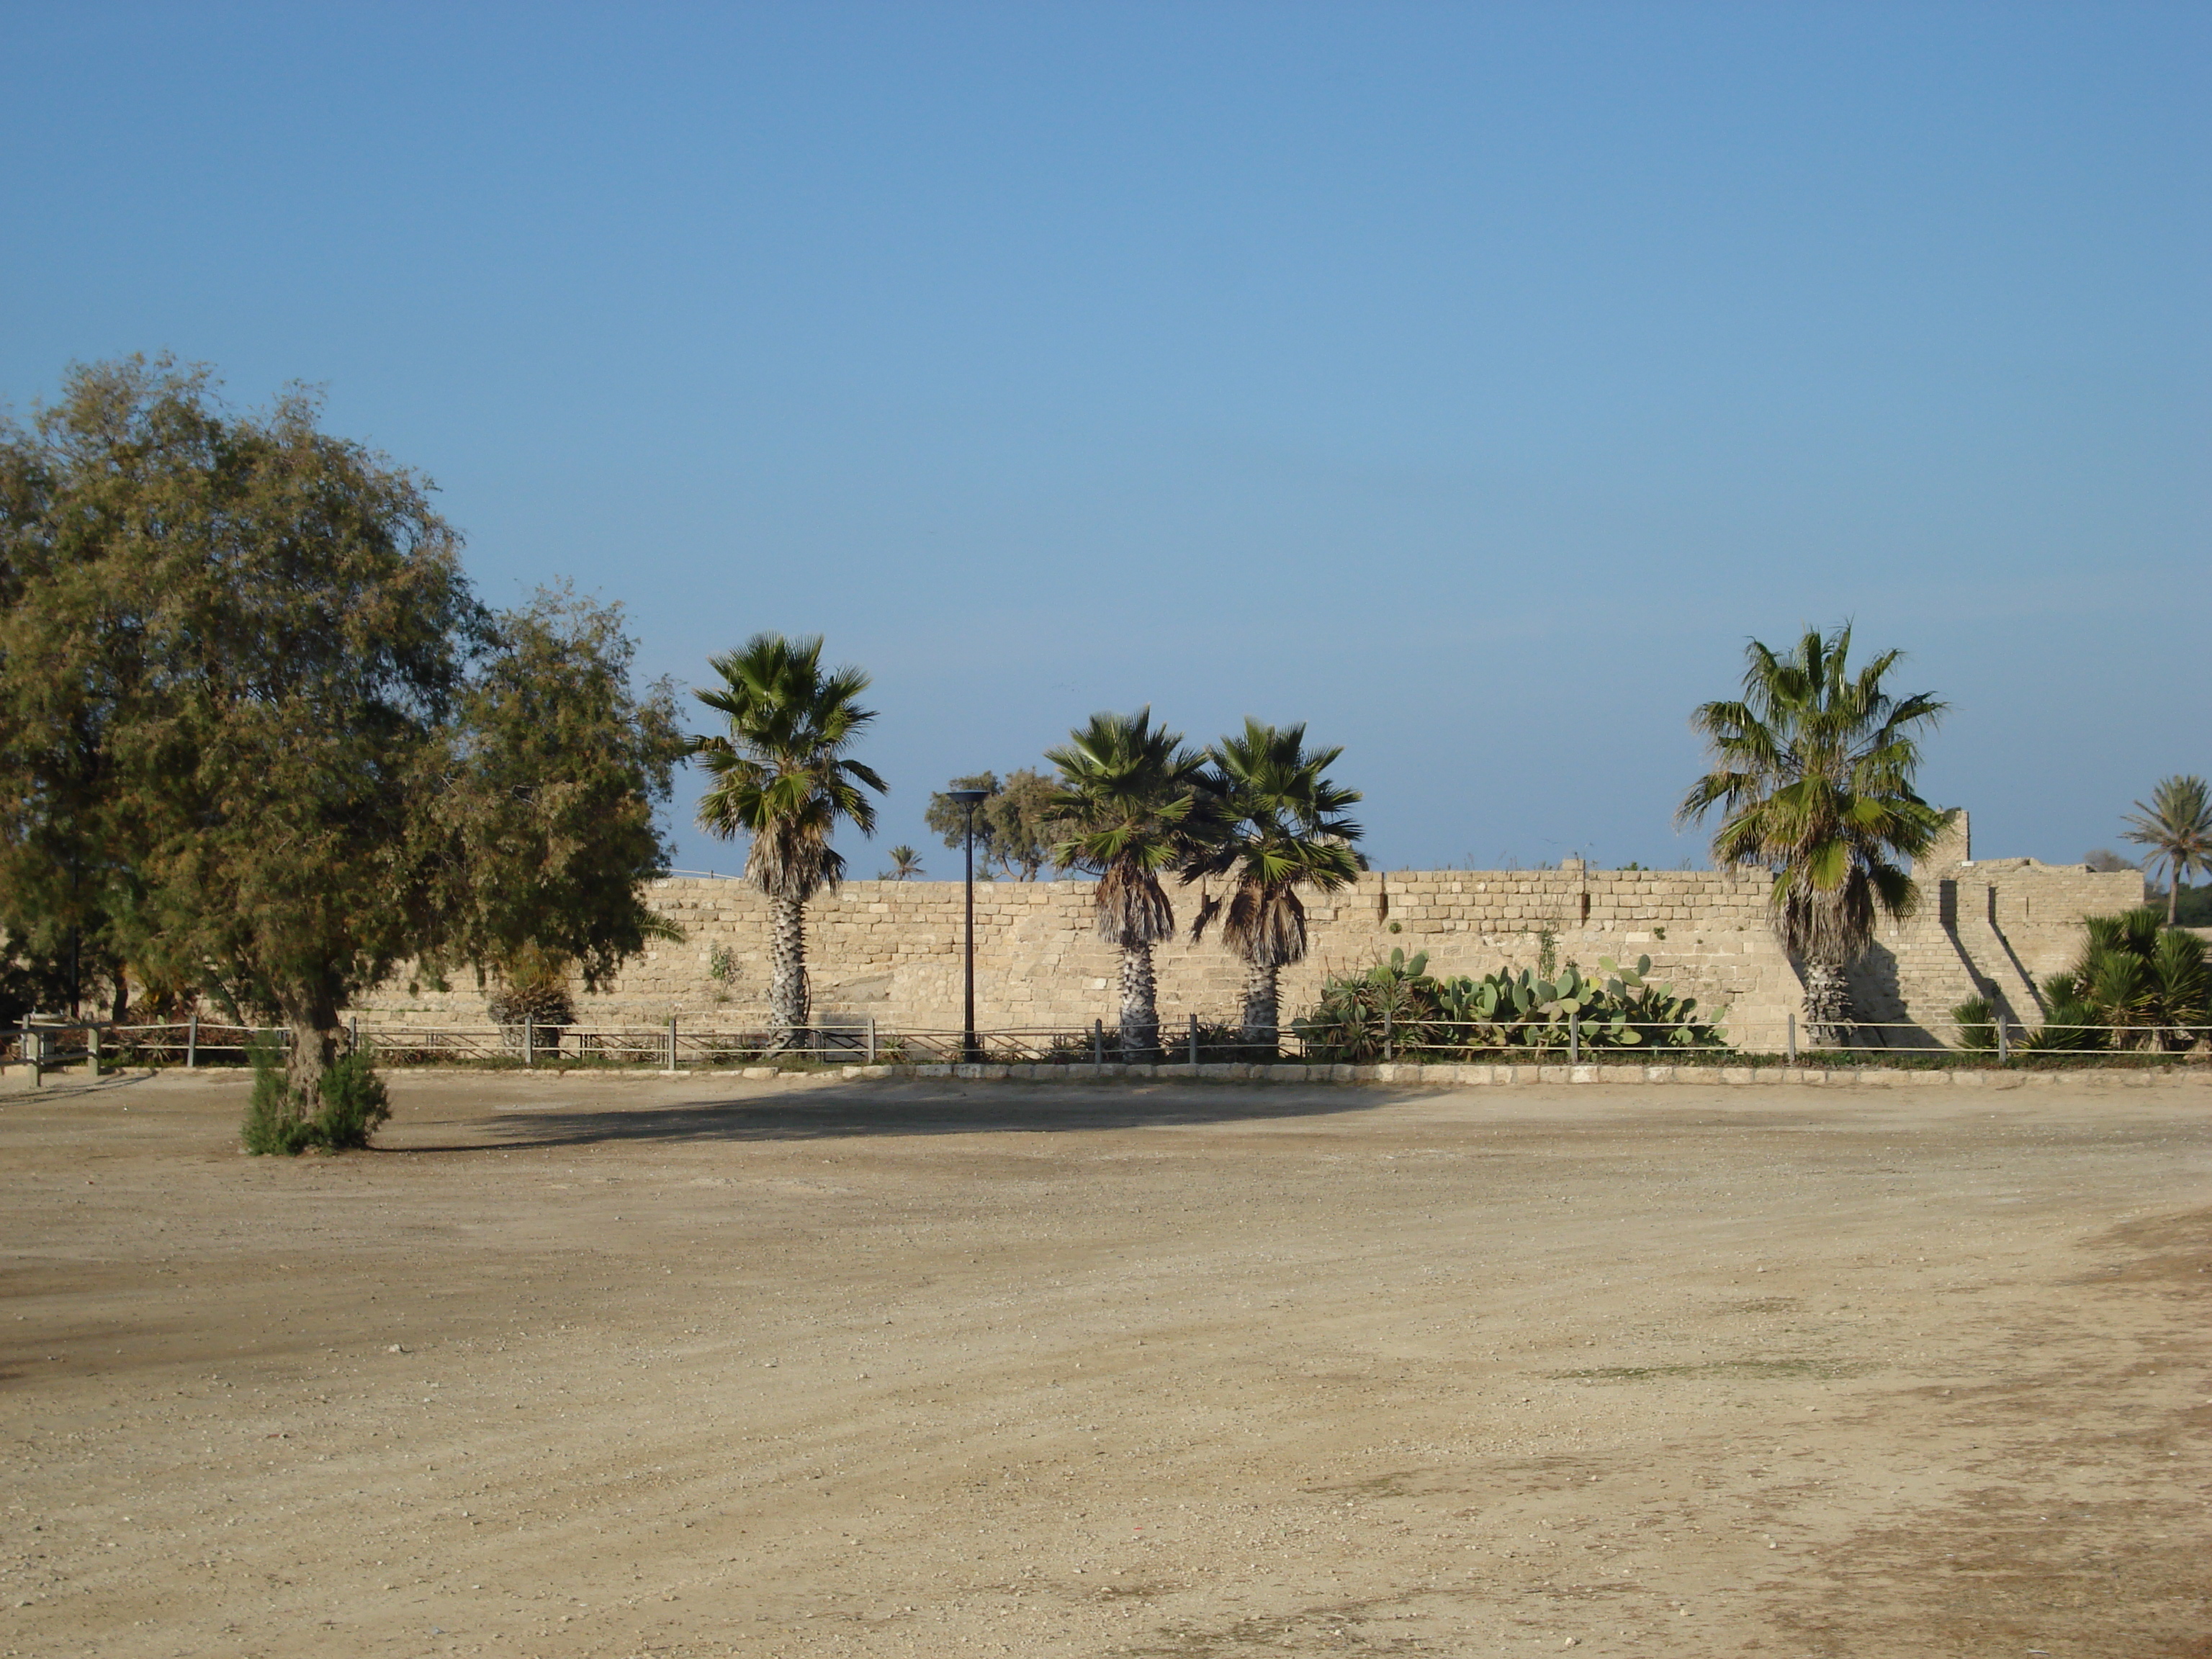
point(1813, 771)
point(2176, 826)
point(1128, 789)
point(905, 863)
point(1272, 823)
point(781, 777)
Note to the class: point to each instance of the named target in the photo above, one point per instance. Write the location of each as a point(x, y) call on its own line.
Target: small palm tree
point(1272, 823)
point(1813, 770)
point(2176, 826)
point(1128, 789)
point(905, 863)
point(780, 776)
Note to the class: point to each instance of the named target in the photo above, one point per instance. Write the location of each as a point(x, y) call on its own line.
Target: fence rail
point(673, 1046)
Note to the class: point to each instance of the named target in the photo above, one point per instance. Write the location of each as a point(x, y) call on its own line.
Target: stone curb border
point(1401, 1075)
point(1467, 1076)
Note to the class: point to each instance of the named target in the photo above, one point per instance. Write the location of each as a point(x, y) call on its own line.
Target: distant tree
point(2106, 862)
point(1128, 789)
point(544, 804)
point(242, 746)
point(906, 864)
point(949, 817)
point(1813, 772)
point(1016, 827)
point(2176, 826)
point(1270, 822)
point(782, 776)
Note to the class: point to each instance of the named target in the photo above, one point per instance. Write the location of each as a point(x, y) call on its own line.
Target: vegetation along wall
point(892, 950)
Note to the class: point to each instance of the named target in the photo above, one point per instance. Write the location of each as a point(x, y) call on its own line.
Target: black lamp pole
point(971, 1050)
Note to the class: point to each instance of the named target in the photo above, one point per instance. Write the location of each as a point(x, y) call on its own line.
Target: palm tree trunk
point(1262, 1005)
point(2173, 889)
point(786, 964)
point(1140, 1013)
point(1827, 1003)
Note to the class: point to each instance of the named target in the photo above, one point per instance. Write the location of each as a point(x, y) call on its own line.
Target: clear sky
point(1467, 381)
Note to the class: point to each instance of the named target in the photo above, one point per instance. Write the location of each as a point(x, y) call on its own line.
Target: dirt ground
point(689, 1367)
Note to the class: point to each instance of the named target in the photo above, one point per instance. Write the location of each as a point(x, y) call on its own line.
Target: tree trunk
point(1140, 1013)
point(314, 1045)
point(787, 999)
point(1827, 1004)
point(1261, 1006)
point(2173, 889)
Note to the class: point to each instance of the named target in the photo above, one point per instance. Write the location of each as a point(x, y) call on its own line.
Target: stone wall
point(1987, 927)
point(892, 950)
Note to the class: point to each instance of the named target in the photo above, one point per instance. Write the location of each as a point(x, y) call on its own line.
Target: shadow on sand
point(919, 1108)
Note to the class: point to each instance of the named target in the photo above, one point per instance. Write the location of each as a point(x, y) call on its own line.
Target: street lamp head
point(969, 797)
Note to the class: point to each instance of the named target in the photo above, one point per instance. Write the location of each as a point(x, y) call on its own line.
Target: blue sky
point(1469, 382)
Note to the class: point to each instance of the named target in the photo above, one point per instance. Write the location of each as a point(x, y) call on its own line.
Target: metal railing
point(675, 1045)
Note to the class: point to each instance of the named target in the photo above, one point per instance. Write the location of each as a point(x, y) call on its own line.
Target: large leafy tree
point(1272, 823)
point(238, 721)
point(2176, 826)
point(1813, 772)
point(783, 775)
point(230, 651)
point(1127, 791)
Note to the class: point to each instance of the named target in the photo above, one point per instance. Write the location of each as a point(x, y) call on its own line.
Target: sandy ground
point(693, 1367)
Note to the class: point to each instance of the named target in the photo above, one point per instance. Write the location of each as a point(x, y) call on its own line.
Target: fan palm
point(1128, 790)
point(2176, 826)
point(1812, 769)
point(1272, 823)
point(780, 776)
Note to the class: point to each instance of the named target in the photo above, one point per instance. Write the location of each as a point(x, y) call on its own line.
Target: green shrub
point(1396, 1006)
point(275, 1125)
point(2148, 981)
point(1977, 1023)
point(351, 1104)
point(355, 1103)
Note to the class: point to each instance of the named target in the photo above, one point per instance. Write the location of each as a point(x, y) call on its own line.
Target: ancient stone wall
point(1988, 928)
point(892, 950)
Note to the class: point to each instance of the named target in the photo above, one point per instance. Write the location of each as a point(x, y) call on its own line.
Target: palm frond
point(1813, 770)
point(781, 774)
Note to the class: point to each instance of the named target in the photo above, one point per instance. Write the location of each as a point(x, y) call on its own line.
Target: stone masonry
point(890, 951)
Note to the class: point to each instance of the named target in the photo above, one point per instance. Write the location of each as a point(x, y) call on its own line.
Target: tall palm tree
point(780, 776)
point(1128, 789)
point(1272, 823)
point(2176, 826)
point(906, 863)
point(1812, 769)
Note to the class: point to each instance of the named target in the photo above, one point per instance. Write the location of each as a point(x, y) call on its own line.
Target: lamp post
point(971, 1050)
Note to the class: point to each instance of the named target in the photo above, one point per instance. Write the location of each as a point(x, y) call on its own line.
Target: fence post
point(530, 1039)
point(1574, 1039)
point(1789, 1045)
point(92, 1049)
point(2004, 1041)
point(671, 1043)
point(191, 1041)
point(1194, 1041)
point(871, 1039)
point(1389, 1051)
point(1098, 1043)
point(34, 1050)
